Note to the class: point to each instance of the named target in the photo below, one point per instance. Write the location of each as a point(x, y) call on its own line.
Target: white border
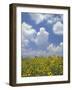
point(64, 77)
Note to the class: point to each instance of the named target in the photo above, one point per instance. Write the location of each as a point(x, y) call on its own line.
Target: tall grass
point(42, 66)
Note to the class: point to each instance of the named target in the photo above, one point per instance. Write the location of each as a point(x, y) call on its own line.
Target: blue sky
point(42, 34)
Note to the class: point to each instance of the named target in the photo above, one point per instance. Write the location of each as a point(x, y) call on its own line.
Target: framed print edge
point(12, 62)
point(69, 44)
point(12, 70)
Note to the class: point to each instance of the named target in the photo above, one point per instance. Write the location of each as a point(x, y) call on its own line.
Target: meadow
point(42, 66)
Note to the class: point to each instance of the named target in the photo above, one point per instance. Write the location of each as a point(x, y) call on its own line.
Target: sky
point(41, 34)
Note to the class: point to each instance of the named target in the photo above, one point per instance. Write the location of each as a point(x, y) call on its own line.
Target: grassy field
point(42, 66)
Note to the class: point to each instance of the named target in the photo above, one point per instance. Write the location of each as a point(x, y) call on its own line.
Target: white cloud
point(55, 18)
point(49, 18)
point(51, 50)
point(27, 35)
point(55, 50)
point(25, 43)
point(42, 38)
point(27, 31)
point(37, 17)
point(50, 21)
point(31, 53)
point(58, 28)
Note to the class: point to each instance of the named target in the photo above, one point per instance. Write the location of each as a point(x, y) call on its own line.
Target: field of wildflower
point(42, 66)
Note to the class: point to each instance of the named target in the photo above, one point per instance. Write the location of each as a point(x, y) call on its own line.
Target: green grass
point(42, 66)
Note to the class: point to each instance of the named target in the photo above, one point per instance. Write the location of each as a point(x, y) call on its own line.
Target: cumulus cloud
point(31, 38)
point(51, 50)
point(53, 19)
point(27, 35)
point(55, 50)
point(27, 31)
point(58, 28)
point(32, 53)
point(25, 44)
point(49, 18)
point(37, 17)
point(42, 38)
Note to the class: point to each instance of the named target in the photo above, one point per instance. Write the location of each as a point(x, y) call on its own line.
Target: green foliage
point(42, 66)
